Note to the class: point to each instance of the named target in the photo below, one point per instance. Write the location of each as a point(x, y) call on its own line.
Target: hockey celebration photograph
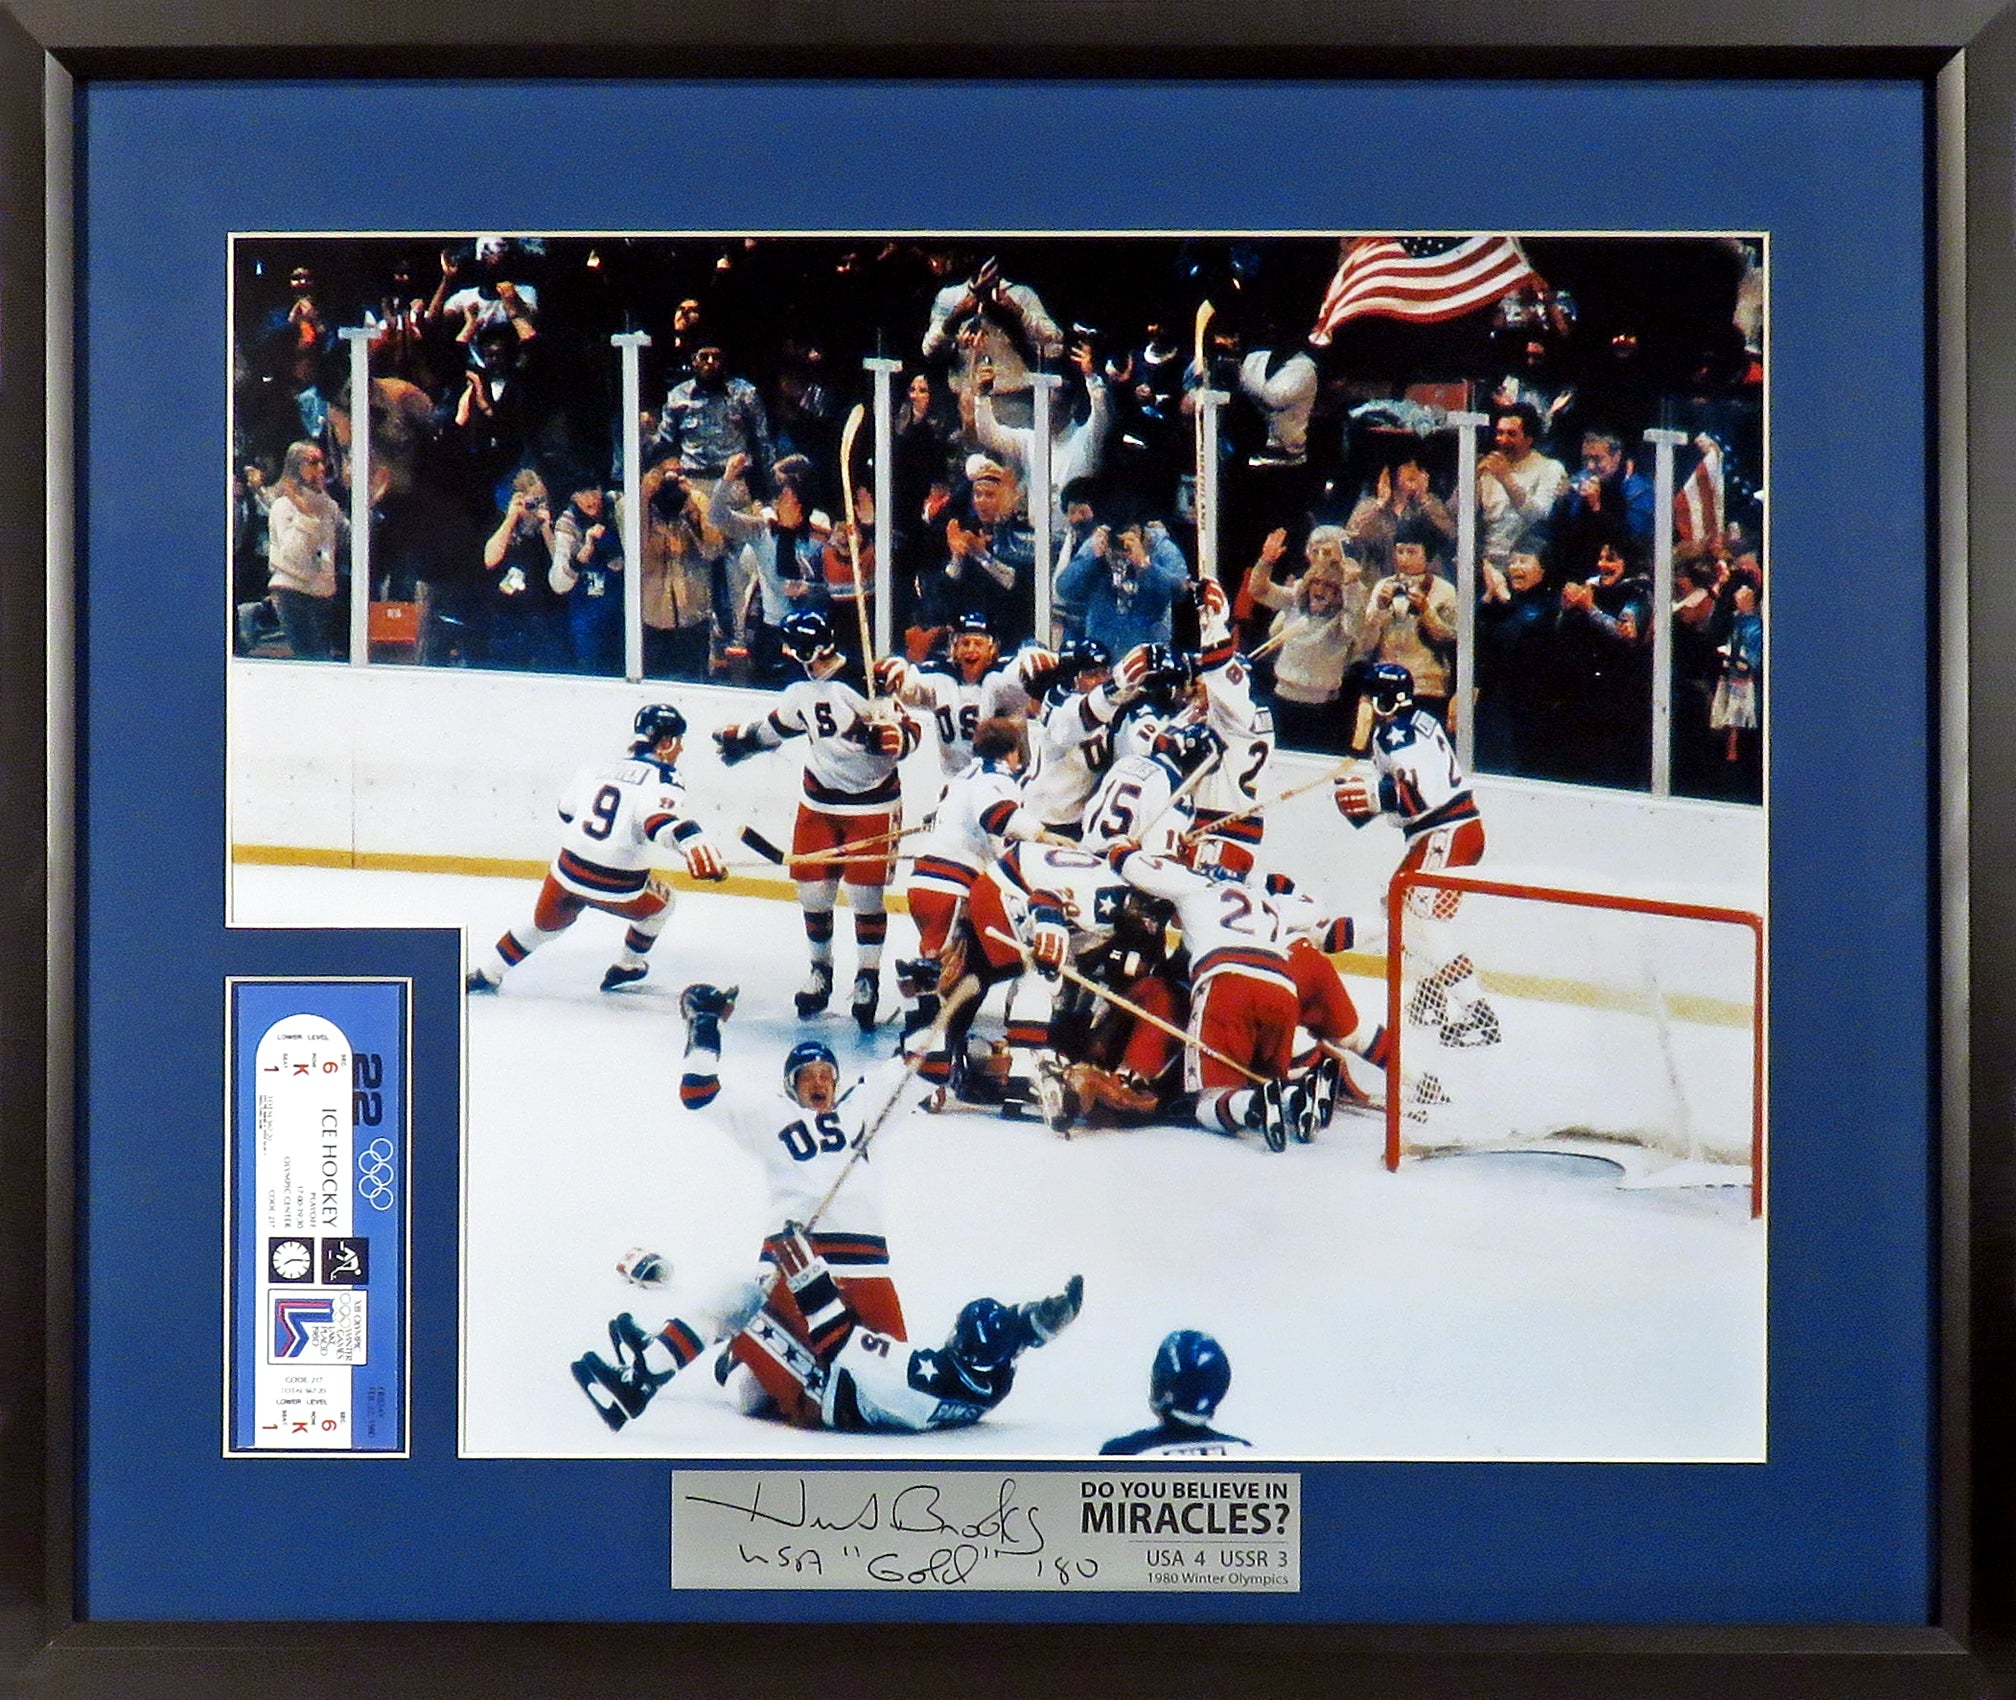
point(1067, 844)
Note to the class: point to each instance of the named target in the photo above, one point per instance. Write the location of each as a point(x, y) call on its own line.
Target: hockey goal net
point(1626, 1027)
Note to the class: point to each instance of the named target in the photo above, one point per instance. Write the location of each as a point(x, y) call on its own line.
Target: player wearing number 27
point(616, 818)
point(1417, 782)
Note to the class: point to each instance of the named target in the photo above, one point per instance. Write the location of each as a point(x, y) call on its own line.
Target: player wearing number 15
point(616, 819)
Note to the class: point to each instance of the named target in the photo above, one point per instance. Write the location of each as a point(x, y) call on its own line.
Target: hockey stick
point(1130, 1006)
point(960, 996)
point(771, 853)
point(1328, 776)
point(1182, 792)
point(881, 861)
point(847, 436)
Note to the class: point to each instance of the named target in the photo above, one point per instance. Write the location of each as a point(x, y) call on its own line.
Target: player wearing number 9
point(616, 820)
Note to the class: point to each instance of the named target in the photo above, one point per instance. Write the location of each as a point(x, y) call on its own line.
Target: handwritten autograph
point(1008, 1529)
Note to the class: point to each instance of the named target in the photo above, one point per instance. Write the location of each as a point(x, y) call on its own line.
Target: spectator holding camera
point(520, 626)
point(1605, 627)
point(1410, 618)
point(1125, 583)
point(1608, 501)
point(587, 559)
point(1315, 635)
point(676, 575)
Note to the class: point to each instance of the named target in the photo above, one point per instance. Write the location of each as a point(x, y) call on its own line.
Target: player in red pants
point(616, 819)
point(852, 806)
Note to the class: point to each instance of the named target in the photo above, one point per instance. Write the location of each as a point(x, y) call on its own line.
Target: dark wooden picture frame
point(1965, 56)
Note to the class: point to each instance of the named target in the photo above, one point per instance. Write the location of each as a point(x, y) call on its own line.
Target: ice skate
point(621, 974)
point(867, 992)
point(812, 998)
point(1267, 1115)
point(481, 980)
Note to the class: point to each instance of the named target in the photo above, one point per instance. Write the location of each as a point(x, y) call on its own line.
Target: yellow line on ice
point(498, 867)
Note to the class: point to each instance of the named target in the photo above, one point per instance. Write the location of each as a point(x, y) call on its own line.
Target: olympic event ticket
point(316, 1217)
point(1084, 1530)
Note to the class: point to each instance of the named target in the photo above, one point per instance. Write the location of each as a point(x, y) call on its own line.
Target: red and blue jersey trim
point(842, 1251)
point(697, 1091)
point(603, 882)
point(1243, 959)
point(1460, 807)
point(946, 871)
point(1247, 829)
point(886, 793)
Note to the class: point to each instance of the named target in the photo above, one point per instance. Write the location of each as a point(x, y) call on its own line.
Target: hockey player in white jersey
point(972, 686)
point(1243, 725)
point(1416, 781)
point(808, 1358)
point(617, 820)
point(1139, 796)
point(1243, 1002)
point(981, 810)
point(1041, 905)
point(1070, 742)
point(1188, 1380)
point(811, 1135)
point(852, 805)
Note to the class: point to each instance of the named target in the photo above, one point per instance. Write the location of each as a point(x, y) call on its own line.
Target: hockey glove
point(1049, 942)
point(643, 1268)
point(1357, 798)
point(705, 1008)
point(737, 743)
point(892, 675)
point(703, 861)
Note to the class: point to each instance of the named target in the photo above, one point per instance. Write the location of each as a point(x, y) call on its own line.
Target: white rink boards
point(1487, 1307)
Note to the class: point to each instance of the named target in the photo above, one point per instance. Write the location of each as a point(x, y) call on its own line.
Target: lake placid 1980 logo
point(317, 1328)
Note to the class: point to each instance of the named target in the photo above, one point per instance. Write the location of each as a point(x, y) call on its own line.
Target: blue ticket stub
point(316, 1213)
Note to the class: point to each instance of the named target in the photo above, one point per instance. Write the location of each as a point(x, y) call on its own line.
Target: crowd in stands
point(497, 483)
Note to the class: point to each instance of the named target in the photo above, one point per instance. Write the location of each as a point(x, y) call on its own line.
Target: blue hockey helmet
point(1389, 688)
point(801, 1057)
point(655, 723)
point(1190, 1376)
point(806, 636)
point(1186, 745)
point(1084, 655)
point(986, 1335)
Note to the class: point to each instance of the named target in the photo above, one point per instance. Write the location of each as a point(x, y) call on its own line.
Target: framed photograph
point(1117, 865)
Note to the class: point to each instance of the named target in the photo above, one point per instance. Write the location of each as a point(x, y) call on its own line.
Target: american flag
point(1698, 504)
point(1425, 278)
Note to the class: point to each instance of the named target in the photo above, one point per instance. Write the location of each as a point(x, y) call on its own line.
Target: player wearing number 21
point(616, 819)
point(1416, 781)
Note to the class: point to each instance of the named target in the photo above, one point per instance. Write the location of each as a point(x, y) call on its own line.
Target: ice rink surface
point(1474, 1307)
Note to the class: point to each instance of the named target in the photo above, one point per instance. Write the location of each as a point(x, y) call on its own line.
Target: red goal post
point(1406, 918)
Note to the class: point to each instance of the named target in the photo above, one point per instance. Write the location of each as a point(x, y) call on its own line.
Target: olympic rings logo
point(375, 1174)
